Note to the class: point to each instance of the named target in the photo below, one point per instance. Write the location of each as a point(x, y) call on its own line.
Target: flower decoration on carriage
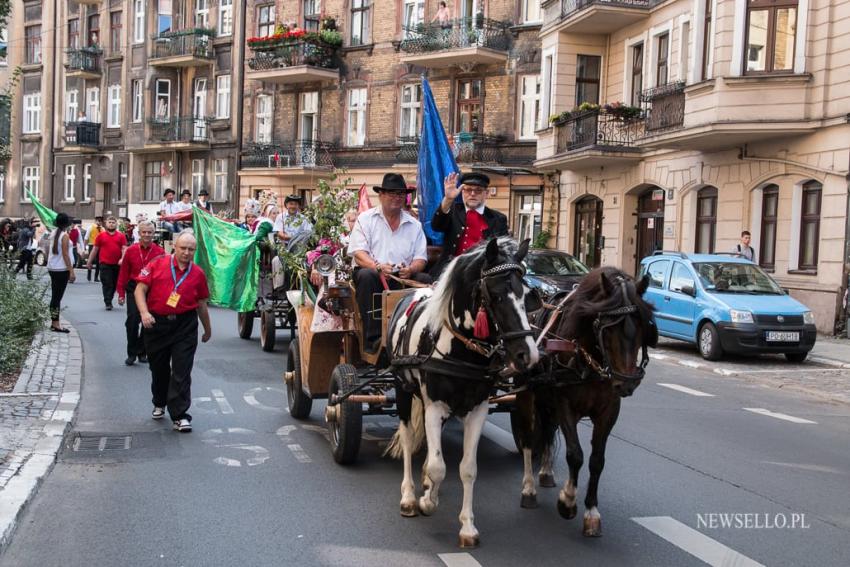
point(325, 246)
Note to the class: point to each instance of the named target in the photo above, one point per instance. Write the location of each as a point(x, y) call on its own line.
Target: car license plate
point(782, 336)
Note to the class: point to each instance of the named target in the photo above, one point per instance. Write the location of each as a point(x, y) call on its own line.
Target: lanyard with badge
point(174, 298)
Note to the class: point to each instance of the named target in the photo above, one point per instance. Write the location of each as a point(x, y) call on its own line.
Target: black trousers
point(367, 284)
point(25, 260)
point(58, 284)
point(96, 264)
point(109, 281)
point(171, 345)
point(135, 330)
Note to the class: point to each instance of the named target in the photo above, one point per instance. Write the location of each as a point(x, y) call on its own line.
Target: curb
point(38, 462)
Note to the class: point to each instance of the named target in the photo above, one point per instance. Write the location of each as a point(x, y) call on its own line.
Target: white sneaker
point(183, 425)
point(158, 413)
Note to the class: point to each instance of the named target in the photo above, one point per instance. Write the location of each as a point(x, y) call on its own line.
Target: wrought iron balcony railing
point(189, 130)
point(293, 54)
point(666, 107)
point(300, 153)
point(82, 134)
point(86, 59)
point(457, 34)
point(197, 43)
point(593, 128)
point(568, 7)
point(467, 147)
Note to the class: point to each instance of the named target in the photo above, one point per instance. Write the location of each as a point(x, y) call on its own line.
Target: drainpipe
point(240, 108)
point(51, 156)
point(844, 290)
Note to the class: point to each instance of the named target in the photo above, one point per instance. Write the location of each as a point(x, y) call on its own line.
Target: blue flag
point(436, 161)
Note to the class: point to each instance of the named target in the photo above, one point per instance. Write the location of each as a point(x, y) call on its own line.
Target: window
point(198, 167)
point(529, 106)
point(220, 186)
point(810, 225)
point(93, 105)
point(74, 34)
point(115, 27)
point(548, 68)
point(468, 106)
point(87, 180)
point(264, 119)
point(70, 179)
point(113, 119)
point(222, 96)
point(164, 18)
point(356, 117)
point(163, 100)
point(771, 30)
point(531, 12)
point(2, 187)
point(32, 181)
point(413, 16)
point(769, 209)
point(4, 61)
point(32, 36)
point(225, 17)
point(680, 277)
point(658, 273)
point(94, 30)
point(706, 220)
point(311, 15)
point(637, 74)
point(265, 21)
point(529, 215)
point(707, 40)
point(202, 14)
point(72, 105)
point(32, 113)
point(138, 21)
point(587, 79)
point(308, 125)
point(138, 100)
point(411, 108)
point(661, 67)
point(153, 180)
point(359, 22)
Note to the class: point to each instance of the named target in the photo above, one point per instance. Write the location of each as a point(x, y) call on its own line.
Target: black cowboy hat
point(167, 191)
point(185, 192)
point(203, 193)
point(477, 179)
point(393, 182)
point(297, 198)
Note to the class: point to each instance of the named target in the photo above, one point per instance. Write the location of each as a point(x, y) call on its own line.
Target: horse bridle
point(611, 318)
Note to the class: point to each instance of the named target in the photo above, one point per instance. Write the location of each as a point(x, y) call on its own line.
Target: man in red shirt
point(108, 248)
point(172, 295)
point(135, 258)
point(76, 241)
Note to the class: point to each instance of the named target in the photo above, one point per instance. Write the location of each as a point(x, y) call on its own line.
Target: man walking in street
point(108, 249)
point(136, 257)
point(91, 235)
point(76, 241)
point(27, 247)
point(744, 249)
point(171, 295)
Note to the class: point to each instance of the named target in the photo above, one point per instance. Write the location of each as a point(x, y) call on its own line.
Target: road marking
point(499, 436)
point(786, 417)
point(686, 390)
point(299, 453)
point(260, 454)
point(697, 544)
point(805, 467)
point(250, 397)
point(222, 402)
point(285, 430)
point(458, 560)
point(323, 431)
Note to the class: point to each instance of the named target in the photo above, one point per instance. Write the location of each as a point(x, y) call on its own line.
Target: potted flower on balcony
point(328, 23)
point(622, 112)
point(560, 118)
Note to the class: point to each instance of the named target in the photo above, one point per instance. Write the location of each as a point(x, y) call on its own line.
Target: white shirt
point(169, 208)
point(372, 234)
point(181, 206)
point(479, 209)
point(55, 262)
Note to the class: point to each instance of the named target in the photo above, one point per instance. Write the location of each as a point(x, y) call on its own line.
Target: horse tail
point(416, 423)
point(546, 424)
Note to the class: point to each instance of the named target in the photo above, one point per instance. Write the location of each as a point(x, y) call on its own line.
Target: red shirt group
point(136, 258)
point(161, 282)
point(110, 246)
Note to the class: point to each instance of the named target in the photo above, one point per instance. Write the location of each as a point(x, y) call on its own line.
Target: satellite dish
point(325, 265)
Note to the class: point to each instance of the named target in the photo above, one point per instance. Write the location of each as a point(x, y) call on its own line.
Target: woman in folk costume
point(264, 230)
point(251, 210)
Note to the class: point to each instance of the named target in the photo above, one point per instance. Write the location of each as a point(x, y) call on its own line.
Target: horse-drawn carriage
point(272, 308)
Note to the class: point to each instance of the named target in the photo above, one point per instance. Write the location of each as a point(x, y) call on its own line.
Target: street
point(694, 450)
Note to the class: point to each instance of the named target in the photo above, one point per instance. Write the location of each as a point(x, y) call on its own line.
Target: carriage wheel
point(268, 333)
point(298, 402)
point(346, 430)
point(245, 320)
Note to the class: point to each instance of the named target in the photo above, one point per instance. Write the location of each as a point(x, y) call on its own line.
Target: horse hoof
point(547, 480)
point(528, 501)
point(567, 512)
point(467, 542)
point(592, 527)
point(409, 510)
point(426, 507)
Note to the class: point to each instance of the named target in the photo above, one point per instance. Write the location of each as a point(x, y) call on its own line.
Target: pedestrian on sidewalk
point(60, 266)
point(136, 257)
point(171, 293)
point(743, 248)
point(27, 246)
point(91, 235)
point(77, 240)
point(108, 249)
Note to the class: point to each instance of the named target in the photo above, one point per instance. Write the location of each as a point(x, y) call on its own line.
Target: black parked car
point(551, 271)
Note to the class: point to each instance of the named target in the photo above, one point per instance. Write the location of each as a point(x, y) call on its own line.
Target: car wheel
point(709, 342)
point(796, 356)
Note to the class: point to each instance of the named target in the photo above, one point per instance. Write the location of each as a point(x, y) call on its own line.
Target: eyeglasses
point(397, 194)
point(474, 190)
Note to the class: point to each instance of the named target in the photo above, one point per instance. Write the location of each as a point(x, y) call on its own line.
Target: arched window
point(810, 225)
point(706, 220)
point(769, 208)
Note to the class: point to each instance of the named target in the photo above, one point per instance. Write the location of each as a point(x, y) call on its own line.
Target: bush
point(23, 312)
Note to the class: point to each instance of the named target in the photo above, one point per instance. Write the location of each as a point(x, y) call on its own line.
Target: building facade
point(678, 124)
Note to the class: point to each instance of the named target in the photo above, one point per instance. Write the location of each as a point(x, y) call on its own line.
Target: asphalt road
point(252, 486)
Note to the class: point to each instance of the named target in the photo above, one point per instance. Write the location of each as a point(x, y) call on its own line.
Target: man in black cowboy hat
point(203, 201)
point(292, 226)
point(386, 240)
point(467, 223)
point(169, 207)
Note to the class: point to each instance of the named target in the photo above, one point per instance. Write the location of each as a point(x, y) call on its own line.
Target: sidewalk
point(832, 351)
point(34, 419)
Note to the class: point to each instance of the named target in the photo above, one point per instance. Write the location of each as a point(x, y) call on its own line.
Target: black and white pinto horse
point(456, 337)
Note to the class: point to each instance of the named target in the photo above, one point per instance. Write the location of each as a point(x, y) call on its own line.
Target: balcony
point(593, 138)
point(467, 147)
point(666, 107)
point(288, 157)
point(293, 62)
point(177, 134)
point(187, 48)
point(463, 41)
point(83, 63)
point(82, 136)
point(89, 2)
point(601, 16)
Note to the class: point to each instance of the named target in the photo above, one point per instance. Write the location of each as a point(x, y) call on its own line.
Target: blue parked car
point(725, 303)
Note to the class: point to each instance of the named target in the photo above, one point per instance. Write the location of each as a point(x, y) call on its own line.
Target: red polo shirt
point(157, 276)
point(136, 258)
point(109, 247)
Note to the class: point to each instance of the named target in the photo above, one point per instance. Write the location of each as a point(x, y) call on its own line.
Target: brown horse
point(597, 354)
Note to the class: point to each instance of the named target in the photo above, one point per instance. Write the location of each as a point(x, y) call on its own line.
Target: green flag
point(47, 216)
point(230, 258)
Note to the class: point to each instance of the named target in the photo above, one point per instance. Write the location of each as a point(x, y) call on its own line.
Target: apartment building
point(677, 124)
point(352, 99)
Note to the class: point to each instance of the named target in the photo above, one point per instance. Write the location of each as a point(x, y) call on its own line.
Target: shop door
point(587, 245)
point(650, 227)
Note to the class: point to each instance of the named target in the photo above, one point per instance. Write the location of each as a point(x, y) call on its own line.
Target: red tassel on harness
point(481, 330)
